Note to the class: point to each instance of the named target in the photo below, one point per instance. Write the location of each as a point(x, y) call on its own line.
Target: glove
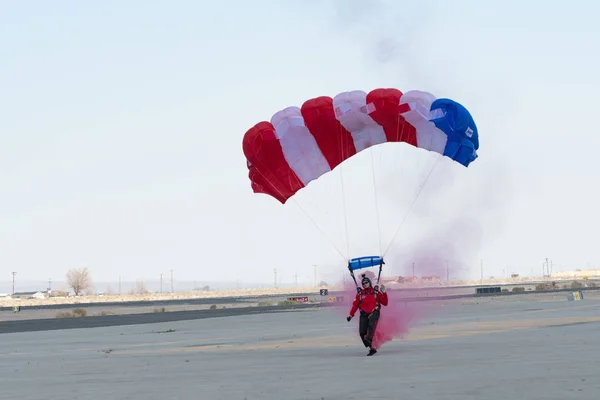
point(376, 288)
point(382, 289)
point(348, 318)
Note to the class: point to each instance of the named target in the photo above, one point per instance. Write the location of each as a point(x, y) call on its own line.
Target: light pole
point(13, 282)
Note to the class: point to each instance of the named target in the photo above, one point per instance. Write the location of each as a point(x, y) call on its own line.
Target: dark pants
point(367, 327)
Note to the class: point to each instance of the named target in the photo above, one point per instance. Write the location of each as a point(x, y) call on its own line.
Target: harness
point(365, 262)
point(378, 304)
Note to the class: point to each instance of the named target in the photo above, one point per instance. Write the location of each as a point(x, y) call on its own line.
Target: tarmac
point(490, 349)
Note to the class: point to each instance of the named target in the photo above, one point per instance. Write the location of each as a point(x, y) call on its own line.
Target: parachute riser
point(358, 288)
point(354, 278)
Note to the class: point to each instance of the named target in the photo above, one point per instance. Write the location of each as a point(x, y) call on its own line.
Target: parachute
point(301, 144)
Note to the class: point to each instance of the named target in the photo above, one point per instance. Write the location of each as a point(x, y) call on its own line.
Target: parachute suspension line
point(412, 204)
point(376, 202)
point(345, 212)
point(319, 228)
point(307, 215)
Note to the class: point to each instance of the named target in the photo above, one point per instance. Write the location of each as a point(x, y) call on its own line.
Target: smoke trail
point(454, 222)
point(396, 318)
point(444, 238)
point(388, 36)
point(444, 234)
point(412, 46)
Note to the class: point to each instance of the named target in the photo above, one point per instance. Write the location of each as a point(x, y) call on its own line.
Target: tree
point(79, 279)
point(140, 288)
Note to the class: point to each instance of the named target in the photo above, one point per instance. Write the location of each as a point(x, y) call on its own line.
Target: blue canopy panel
point(364, 262)
point(458, 124)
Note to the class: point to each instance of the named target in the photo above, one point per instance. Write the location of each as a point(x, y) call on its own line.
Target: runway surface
point(493, 350)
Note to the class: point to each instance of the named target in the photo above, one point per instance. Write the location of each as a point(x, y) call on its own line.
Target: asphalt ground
point(493, 348)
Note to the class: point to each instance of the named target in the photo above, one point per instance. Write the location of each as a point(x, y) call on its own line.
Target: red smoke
point(396, 318)
point(442, 253)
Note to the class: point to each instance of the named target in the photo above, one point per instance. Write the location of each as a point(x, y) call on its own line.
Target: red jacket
point(366, 301)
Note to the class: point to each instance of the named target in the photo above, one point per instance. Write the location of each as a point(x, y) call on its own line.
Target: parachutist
point(299, 145)
point(369, 301)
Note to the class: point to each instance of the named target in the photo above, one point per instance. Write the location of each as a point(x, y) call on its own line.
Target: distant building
point(29, 295)
point(595, 273)
point(392, 279)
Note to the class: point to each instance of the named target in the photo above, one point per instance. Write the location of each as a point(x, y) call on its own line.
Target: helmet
point(365, 278)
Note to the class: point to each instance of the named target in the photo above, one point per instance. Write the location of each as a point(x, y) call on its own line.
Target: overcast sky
point(121, 126)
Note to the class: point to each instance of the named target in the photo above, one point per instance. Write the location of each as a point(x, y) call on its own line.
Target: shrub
point(105, 313)
point(77, 312)
point(80, 312)
point(546, 286)
point(64, 314)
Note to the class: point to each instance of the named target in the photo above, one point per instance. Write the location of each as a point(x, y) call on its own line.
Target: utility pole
point(50, 285)
point(171, 280)
point(119, 285)
point(13, 282)
point(296, 278)
point(447, 272)
point(481, 270)
point(315, 274)
point(543, 270)
point(547, 268)
point(413, 269)
point(275, 278)
point(161, 282)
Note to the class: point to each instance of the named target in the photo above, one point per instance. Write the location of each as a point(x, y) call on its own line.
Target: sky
point(121, 126)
